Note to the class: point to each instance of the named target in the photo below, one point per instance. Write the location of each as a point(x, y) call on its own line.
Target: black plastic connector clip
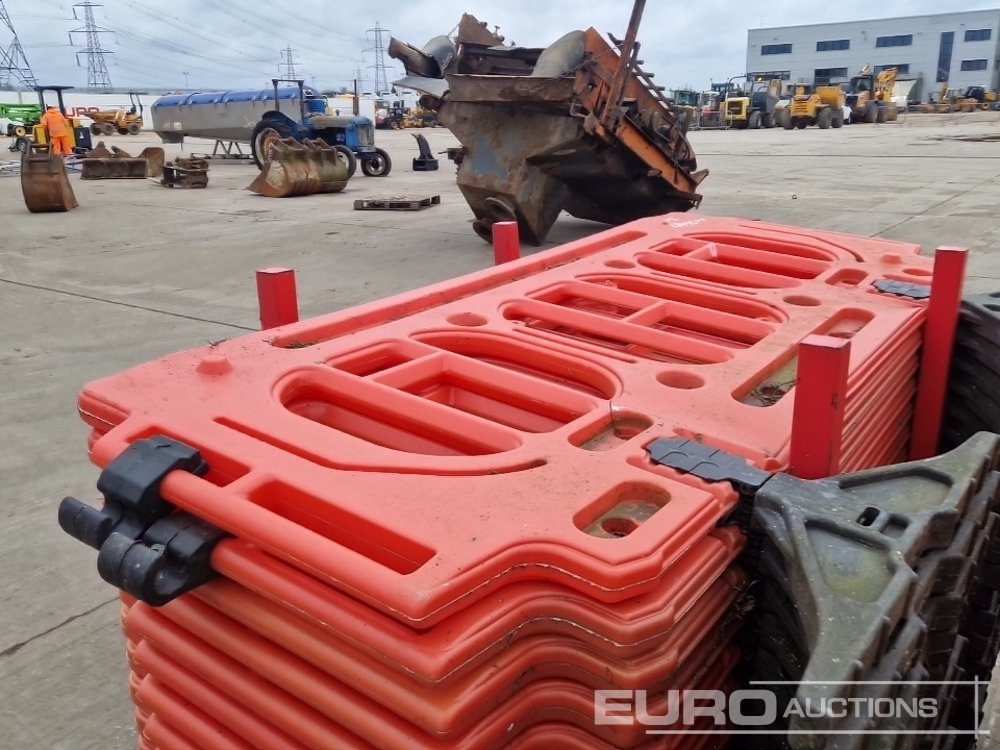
point(708, 463)
point(131, 489)
point(146, 548)
point(916, 292)
point(173, 557)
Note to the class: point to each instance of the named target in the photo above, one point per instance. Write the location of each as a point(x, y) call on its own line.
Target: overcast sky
point(237, 43)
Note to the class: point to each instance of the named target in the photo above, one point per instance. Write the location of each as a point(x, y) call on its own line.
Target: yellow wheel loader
point(870, 96)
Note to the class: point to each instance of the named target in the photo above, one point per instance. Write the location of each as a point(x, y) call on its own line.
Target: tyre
point(786, 121)
point(871, 112)
point(891, 114)
point(20, 131)
point(347, 156)
point(880, 115)
point(23, 144)
point(996, 106)
point(801, 124)
point(108, 128)
point(95, 129)
point(824, 119)
point(134, 129)
point(265, 134)
point(754, 122)
point(767, 120)
point(378, 166)
point(838, 120)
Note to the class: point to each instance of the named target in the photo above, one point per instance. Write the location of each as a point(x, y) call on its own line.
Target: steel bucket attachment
point(577, 127)
point(118, 164)
point(295, 168)
point(45, 183)
point(154, 157)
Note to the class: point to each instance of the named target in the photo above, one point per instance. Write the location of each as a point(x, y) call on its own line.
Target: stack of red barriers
point(443, 529)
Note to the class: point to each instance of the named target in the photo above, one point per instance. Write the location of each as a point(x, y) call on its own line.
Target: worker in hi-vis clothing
point(57, 126)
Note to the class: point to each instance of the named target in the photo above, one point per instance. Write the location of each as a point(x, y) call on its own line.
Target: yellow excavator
point(870, 96)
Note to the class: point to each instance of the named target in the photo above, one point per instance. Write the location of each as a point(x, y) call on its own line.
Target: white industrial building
point(959, 49)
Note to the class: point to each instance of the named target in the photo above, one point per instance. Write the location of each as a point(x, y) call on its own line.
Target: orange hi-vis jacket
point(56, 123)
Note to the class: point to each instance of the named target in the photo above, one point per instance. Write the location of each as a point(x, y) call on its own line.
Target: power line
point(98, 78)
point(381, 82)
point(13, 63)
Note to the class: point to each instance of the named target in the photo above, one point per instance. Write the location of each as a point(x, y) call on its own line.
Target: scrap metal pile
point(578, 126)
point(443, 520)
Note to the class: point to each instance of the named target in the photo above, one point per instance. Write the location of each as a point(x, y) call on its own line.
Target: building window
point(776, 49)
point(900, 40)
point(835, 44)
point(978, 35)
point(822, 76)
point(974, 64)
point(944, 56)
point(902, 69)
point(768, 75)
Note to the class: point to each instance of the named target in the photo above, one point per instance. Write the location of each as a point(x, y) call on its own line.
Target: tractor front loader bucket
point(45, 183)
point(295, 168)
point(100, 164)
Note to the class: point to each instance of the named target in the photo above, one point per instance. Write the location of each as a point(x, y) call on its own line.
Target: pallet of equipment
point(396, 203)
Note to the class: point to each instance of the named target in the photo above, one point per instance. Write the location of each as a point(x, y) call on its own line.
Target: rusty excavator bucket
point(294, 168)
point(578, 126)
point(117, 164)
point(45, 183)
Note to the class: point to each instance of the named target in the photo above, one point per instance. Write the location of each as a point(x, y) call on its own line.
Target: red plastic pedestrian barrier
point(445, 530)
point(540, 701)
point(475, 634)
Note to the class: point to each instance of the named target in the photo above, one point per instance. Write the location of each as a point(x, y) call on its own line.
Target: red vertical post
point(935, 358)
point(818, 411)
point(506, 242)
point(277, 297)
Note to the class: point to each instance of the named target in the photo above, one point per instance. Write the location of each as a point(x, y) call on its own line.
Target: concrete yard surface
point(139, 271)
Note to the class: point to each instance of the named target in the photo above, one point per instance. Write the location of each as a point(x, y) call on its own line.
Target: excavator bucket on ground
point(577, 127)
point(45, 183)
point(294, 168)
point(117, 164)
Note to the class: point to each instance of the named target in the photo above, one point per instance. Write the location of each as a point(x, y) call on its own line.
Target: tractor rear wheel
point(95, 129)
point(350, 160)
point(264, 137)
point(871, 112)
point(881, 115)
point(767, 120)
point(801, 124)
point(838, 119)
point(787, 122)
point(378, 166)
point(824, 119)
point(134, 129)
point(108, 128)
point(754, 122)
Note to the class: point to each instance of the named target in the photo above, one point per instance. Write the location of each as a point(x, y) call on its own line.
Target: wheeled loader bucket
point(100, 164)
point(294, 168)
point(45, 183)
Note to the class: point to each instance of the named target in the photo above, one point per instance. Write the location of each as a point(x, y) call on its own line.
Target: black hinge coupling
point(146, 547)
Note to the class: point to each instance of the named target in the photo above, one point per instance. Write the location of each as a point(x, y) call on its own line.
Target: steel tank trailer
point(264, 116)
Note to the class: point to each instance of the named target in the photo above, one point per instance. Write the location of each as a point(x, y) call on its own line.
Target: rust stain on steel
point(45, 183)
point(577, 126)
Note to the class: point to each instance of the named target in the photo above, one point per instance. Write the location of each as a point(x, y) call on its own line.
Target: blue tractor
point(353, 136)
